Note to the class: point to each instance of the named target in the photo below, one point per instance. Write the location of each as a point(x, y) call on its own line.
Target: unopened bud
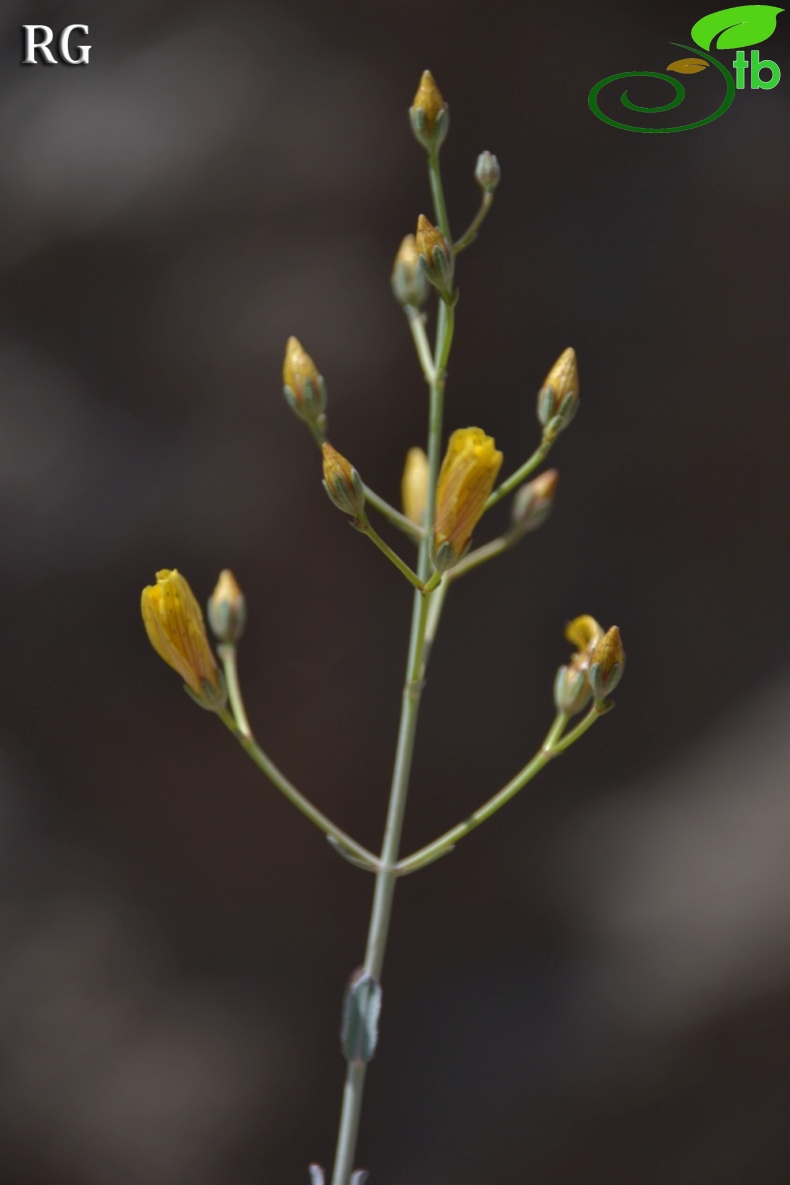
point(409, 282)
point(342, 482)
point(227, 609)
point(304, 387)
point(607, 663)
point(414, 486)
point(436, 257)
point(532, 503)
point(429, 114)
point(487, 172)
point(572, 689)
point(558, 398)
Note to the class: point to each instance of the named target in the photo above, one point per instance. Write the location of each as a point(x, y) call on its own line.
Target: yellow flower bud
point(414, 486)
point(558, 398)
point(409, 282)
point(607, 662)
point(227, 609)
point(572, 688)
point(436, 257)
point(532, 503)
point(342, 482)
point(487, 172)
point(429, 114)
point(304, 387)
point(466, 479)
point(174, 624)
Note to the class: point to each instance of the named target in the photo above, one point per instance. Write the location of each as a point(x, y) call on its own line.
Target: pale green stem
point(445, 842)
point(239, 725)
point(540, 453)
point(470, 234)
point(481, 555)
point(365, 528)
point(395, 517)
point(595, 712)
point(417, 326)
point(437, 192)
point(381, 911)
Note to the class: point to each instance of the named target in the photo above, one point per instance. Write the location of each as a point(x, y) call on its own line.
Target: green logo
point(731, 28)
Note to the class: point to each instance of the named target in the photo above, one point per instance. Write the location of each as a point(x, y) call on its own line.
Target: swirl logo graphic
point(731, 28)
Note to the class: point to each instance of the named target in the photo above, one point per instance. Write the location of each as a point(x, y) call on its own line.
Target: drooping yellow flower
point(174, 624)
point(414, 485)
point(466, 479)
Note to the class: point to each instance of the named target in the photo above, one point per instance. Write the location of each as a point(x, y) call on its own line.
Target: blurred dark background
point(596, 986)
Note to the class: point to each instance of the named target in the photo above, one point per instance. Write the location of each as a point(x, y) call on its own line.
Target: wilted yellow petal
point(584, 632)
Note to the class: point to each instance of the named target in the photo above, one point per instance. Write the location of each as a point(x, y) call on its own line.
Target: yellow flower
point(466, 479)
point(174, 624)
point(414, 486)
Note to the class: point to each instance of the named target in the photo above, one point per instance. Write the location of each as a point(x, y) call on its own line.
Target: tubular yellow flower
point(429, 114)
point(466, 478)
point(174, 624)
point(414, 486)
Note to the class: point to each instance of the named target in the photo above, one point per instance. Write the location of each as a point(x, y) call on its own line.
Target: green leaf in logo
point(747, 24)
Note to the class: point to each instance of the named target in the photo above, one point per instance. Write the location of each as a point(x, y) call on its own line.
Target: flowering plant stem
point(381, 910)
point(239, 725)
point(515, 479)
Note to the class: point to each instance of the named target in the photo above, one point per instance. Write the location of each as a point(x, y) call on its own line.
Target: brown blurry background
point(595, 988)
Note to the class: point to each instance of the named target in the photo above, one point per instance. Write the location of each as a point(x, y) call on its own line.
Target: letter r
point(31, 45)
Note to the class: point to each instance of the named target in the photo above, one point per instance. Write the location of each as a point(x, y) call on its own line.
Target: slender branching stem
point(471, 232)
point(444, 843)
point(437, 193)
point(236, 721)
point(515, 479)
point(365, 528)
point(481, 555)
point(381, 910)
point(416, 321)
point(395, 517)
